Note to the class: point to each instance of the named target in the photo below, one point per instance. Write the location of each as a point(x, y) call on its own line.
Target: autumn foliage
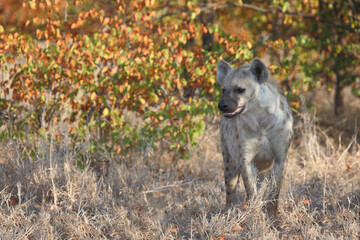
point(86, 65)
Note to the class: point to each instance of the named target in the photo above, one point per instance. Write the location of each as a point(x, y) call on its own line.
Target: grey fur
point(259, 70)
point(222, 70)
point(256, 131)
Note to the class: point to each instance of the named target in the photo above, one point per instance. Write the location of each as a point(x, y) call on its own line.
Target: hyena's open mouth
point(234, 113)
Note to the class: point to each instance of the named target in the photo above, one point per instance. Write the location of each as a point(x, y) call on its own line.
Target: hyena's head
point(239, 85)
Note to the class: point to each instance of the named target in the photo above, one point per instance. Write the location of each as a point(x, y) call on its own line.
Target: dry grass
point(151, 196)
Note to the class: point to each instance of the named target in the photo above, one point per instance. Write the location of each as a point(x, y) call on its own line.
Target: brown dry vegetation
point(152, 196)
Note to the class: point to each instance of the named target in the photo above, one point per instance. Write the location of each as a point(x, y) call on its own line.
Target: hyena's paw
point(272, 210)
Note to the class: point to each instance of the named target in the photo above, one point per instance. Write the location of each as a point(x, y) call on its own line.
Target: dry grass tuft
point(46, 196)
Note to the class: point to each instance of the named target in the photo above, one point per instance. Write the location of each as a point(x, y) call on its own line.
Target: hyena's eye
point(240, 90)
point(222, 90)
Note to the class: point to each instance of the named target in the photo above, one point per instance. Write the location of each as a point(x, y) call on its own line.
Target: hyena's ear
point(222, 69)
point(260, 71)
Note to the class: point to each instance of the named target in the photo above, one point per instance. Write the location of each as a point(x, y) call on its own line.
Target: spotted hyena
point(256, 130)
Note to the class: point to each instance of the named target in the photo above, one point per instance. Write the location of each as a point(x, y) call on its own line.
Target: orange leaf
point(106, 112)
point(249, 45)
point(162, 106)
point(296, 103)
point(142, 101)
point(113, 71)
point(118, 149)
point(105, 69)
point(178, 83)
point(237, 228)
point(179, 58)
point(93, 96)
point(30, 59)
point(106, 21)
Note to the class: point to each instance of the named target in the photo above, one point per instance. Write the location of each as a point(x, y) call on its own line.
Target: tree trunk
point(207, 19)
point(338, 99)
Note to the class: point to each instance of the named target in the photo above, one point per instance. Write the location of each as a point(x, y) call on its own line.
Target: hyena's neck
point(268, 99)
point(264, 112)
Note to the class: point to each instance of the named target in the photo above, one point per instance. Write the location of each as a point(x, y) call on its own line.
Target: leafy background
point(87, 63)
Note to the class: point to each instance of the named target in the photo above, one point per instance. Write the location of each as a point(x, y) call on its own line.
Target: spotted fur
point(256, 130)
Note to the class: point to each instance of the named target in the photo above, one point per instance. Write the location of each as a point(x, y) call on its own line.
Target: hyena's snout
point(223, 105)
point(229, 108)
point(227, 104)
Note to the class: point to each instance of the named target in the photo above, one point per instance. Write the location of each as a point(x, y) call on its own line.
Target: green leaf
point(286, 6)
point(92, 123)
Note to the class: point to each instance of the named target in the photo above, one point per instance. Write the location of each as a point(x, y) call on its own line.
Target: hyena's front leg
point(248, 174)
point(231, 175)
point(247, 166)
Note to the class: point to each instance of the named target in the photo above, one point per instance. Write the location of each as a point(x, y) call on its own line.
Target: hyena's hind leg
point(263, 167)
point(276, 176)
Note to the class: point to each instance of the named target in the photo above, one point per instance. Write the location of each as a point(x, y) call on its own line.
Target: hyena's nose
point(223, 106)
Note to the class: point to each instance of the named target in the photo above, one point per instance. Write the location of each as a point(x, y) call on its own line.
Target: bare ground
point(44, 195)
